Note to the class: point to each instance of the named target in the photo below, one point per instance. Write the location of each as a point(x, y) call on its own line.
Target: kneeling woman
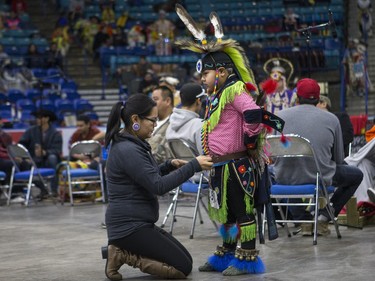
point(134, 180)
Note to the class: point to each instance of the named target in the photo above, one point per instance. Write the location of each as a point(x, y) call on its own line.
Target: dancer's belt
point(228, 157)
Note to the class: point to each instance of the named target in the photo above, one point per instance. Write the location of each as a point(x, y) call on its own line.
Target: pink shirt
point(228, 135)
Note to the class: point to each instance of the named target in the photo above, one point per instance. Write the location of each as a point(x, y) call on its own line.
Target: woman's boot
point(115, 259)
point(160, 269)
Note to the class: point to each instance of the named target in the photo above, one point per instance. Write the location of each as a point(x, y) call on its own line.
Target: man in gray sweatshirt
point(185, 122)
point(323, 130)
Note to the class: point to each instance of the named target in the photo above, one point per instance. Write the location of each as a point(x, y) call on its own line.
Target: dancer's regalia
point(234, 135)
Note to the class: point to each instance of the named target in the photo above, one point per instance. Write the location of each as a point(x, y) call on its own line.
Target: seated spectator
point(171, 83)
point(77, 5)
point(291, 20)
point(136, 36)
point(345, 123)
point(118, 37)
point(2, 25)
point(33, 58)
point(44, 143)
point(90, 29)
point(370, 134)
point(364, 159)
point(163, 97)
point(142, 67)
point(122, 20)
point(85, 131)
point(162, 33)
point(148, 83)
point(5, 163)
point(323, 130)
point(365, 18)
point(61, 37)
point(108, 15)
point(54, 57)
point(18, 6)
point(185, 122)
point(3, 56)
point(13, 21)
point(100, 39)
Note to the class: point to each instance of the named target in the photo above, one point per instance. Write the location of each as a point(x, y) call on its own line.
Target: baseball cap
point(308, 88)
point(190, 92)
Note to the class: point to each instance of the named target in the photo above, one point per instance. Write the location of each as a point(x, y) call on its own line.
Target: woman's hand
point(177, 163)
point(205, 162)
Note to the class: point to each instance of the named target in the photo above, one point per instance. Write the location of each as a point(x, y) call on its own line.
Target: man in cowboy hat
point(44, 142)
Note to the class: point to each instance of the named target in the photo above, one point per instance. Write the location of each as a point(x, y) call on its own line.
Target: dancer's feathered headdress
point(220, 53)
point(279, 65)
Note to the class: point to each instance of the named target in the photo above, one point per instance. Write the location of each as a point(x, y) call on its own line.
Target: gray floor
point(54, 242)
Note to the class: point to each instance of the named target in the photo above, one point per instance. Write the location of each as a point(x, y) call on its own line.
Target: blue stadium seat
point(332, 44)
point(21, 125)
point(27, 116)
point(46, 104)
point(25, 104)
point(92, 115)
point(51, 94)
point(82, 105)
point(14, 95)
point(33, 94)
point(7, 41)
point(39, 72)
point(3, 98)
point(64, 105)
point(53, 76)
point(16, 50)
point(68, 84)
point(22, 41)
point(332, 58)
point(70, 94)
point(6, 112)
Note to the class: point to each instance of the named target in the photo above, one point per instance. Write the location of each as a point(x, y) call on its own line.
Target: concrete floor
point(54, 242)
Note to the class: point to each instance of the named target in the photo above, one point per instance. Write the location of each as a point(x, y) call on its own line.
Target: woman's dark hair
point(139, 104)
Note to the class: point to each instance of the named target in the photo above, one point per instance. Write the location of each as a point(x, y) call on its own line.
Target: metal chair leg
point(196, 209)
point(169, 209)
point(174, 211)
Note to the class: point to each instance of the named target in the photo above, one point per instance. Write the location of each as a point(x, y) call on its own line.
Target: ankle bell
point(221, 251)
point(247, 255)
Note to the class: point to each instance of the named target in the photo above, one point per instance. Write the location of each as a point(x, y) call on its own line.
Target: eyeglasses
point(153, 120)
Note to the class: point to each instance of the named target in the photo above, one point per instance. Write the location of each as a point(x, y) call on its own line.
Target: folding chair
point(3, 187)
point(182, 149)
point(299, 147)
point(79, 176)
point(18, 154)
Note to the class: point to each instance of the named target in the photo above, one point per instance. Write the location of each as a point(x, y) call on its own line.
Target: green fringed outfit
point(235, 175)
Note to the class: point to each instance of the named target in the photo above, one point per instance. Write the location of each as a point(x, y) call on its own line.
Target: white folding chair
point(73, 177)
point(298, 147)
point(19, 154)
point(182, 149)
point(3, 187)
